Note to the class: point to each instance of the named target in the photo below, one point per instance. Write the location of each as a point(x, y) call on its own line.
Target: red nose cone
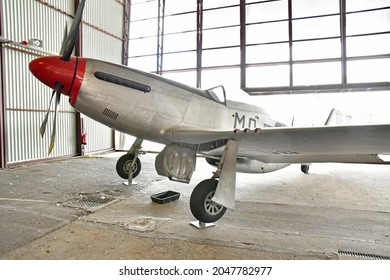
point(51, 69)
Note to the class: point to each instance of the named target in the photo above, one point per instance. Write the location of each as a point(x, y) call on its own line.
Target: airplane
point(233, 136)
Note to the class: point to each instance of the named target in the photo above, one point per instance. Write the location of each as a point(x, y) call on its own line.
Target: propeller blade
point(54, 130)
point(70, 41)
point(42, 129)
point(64, 38)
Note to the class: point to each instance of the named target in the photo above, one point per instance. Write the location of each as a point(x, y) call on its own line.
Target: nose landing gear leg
point(129, 166)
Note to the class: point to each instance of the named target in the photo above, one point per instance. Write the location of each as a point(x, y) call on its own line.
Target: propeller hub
point(51, 70)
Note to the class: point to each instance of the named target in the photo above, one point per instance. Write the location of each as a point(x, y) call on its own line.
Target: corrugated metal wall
point(27, 99)
point(26, 103)
point(101, 39)
point(25, 19)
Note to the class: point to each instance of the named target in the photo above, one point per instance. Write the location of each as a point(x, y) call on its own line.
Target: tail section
point(336, 118)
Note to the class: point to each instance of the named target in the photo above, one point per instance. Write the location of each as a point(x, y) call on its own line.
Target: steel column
point(242, 44)
point(3, 138)
point(126, 31)
point(78, 52)
point(343, 41)
point(290, 43)
point(160, 36)
point(199, 43)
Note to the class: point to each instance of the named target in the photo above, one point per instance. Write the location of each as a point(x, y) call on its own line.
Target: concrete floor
point(282, 215)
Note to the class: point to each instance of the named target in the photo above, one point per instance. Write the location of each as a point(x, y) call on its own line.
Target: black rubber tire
point(305, 169)
point(123, 163)
point(203, 209)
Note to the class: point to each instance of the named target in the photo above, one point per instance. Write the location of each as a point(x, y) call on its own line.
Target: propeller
point(42, 129)
point(64, 38)
point(70, 41)
point(67, 47)
point(54, 130)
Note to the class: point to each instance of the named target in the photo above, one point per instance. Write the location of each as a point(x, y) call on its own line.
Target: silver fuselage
point(168, 104)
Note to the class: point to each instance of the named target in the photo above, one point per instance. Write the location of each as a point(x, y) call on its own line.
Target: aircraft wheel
point(124, 163)
point(305, 169)
point(202, 207)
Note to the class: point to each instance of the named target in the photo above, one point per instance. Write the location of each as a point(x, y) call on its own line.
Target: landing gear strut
point(130, 164)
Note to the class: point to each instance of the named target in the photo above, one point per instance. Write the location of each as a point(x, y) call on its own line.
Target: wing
point(360, 144)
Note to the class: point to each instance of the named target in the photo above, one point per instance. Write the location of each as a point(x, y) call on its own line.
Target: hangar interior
point(297, 58)
point(265, 48)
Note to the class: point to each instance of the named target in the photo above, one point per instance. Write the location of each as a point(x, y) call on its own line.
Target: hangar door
point(26, 103)
point(25, 98)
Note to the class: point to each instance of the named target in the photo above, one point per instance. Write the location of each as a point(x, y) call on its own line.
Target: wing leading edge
point(359, 144)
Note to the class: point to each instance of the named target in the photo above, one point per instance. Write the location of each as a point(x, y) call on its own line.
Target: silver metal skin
point(175, 113)
point(151, 115)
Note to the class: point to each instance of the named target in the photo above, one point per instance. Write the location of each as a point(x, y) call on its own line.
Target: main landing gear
point(210, 198)
point(130, 164)
point(203, 208)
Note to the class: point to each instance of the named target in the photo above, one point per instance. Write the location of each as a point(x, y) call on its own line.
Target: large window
point(271, 46)
point(220, 43)
point(143, 35)
point(266, 44)
point(367, 40)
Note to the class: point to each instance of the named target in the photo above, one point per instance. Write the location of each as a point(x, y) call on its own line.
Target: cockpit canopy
point(218, 94)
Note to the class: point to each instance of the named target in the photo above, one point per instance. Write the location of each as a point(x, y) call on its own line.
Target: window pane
point(143, 28)
point(316, 28)
point(187, 78)
point(144, 63)
point(307, 8)
point(138, 1)
point(368, 45)
point(268, 76)
point(226, 77)
point(221, 17)
point(368, 22)
point(266, 11)
point(142, 46)
point(317, 74)
point(179, 60)
point(267, 32)
point(267, 53)
point(144, 10)
point(317, 49)
point(221, 37)
point(220, 57)
point(174, 24)
point(180, 42)
point(179, 6)
point(363, 71)
point(358, 5)
point(207, 4)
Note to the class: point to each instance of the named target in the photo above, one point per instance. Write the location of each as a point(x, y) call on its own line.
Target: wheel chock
point(202, 225)
point(130, 184)
point(130, 181)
